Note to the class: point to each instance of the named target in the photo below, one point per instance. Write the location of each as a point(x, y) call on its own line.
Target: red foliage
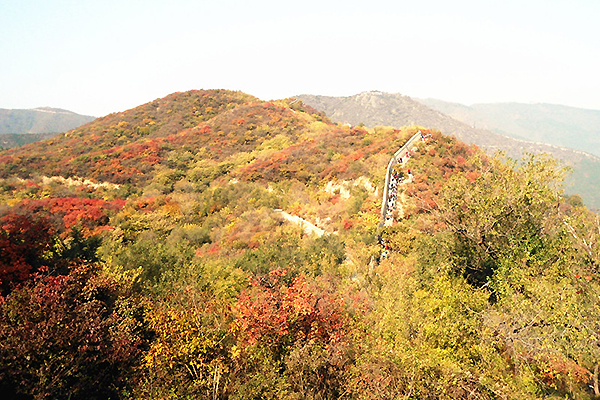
point(92, 215)
point(443, 158)
point(214, 248)
point(67, 337)
point(348, 224)
point(472, 175)
point(28, 231)
point(23, 242)
point(555, 371)
point(275, 312)
point(357, 155)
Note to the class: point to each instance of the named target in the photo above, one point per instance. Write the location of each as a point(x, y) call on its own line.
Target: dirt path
point(309, 228)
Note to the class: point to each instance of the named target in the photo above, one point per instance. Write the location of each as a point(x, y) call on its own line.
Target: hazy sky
point(98, 57)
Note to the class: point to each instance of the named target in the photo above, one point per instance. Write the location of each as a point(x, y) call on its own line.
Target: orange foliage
point(278, 309)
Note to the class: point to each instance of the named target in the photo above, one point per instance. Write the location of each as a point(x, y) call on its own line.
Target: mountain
point(42, 120)
point(388, 109)
point(209, 244)
point(9, 140)
point(128, 147)
point(558, 125)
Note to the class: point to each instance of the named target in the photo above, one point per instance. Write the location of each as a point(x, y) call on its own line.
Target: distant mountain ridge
point(10, 140)
point(555, 124)
point(375, 108)
point(42, 120)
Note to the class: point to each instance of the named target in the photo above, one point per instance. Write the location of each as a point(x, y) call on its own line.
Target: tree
point(69, 336)
point(511, 234)
point(294, 326)
point(25, 242)
point(506, 213)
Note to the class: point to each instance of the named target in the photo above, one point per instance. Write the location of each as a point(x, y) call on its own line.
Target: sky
point(99, 57)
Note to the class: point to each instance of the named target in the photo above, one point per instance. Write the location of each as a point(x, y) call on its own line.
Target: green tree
point(508, 212)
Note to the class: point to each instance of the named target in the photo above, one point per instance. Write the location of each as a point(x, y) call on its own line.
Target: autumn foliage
point(24, 243)
point(276, 313)
point(68, 336)
point(212, 245)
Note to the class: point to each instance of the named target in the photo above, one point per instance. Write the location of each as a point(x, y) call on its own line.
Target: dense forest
point(144, 255)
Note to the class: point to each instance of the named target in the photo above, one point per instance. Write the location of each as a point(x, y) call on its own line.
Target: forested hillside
point(10, 140)
point(147, 255)
point(533, 130)
point(36, 124)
